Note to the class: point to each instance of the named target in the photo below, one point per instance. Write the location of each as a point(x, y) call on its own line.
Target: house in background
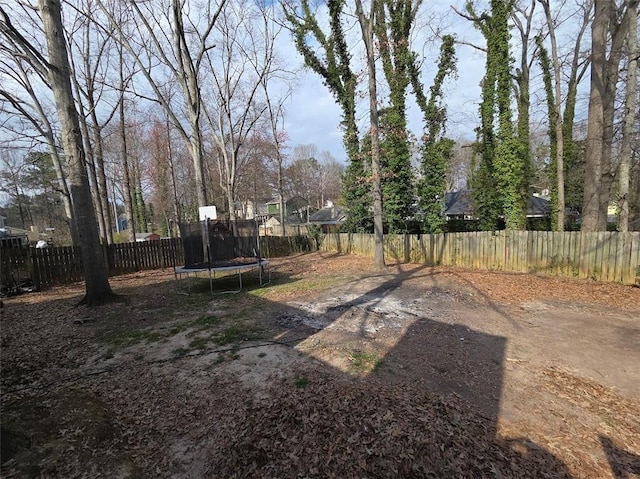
point(329, 218)
point(293, 226)
point(140, 237)
point(459, 206)
point(15, 237)
point(296, 205)
point(249, 210)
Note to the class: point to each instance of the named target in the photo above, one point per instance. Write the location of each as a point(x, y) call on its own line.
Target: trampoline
point(216, 248)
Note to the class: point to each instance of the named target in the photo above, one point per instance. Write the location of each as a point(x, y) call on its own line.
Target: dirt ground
point(332, 370)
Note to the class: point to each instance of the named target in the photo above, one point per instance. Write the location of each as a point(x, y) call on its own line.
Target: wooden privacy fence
point(603, 256)
point(62, 265)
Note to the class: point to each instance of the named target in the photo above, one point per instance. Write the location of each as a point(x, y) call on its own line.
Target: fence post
point(31, 266)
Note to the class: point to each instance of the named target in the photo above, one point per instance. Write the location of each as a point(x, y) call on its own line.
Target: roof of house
point(289, 220)
point(261, 209)
point(458, 203)
point(537, 206)
point(144, 236)
point(329, 215)
point(295, 202)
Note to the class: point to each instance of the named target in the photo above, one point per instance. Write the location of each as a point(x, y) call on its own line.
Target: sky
point(312, 115)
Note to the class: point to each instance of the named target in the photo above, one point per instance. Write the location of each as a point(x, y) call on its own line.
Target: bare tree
point(242, 66)
point(17, 67)
point(126, 170)
point(563, 121)
point(629, 119)
point(12, 173)
point(609, 30)
point(58, 73)
point(91, 46)
point(181, 50)
point(275, 102)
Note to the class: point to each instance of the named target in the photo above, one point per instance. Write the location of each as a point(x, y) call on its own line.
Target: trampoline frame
point(192, 273)
point(225, 249)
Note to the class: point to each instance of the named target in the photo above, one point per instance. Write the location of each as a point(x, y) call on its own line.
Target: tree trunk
point(64, 193)
point(560, 221)
point(128, 201)
point(188, 81)
point(97, 284)
point(595, 123)
point(366, 27)
point(281, 202)
point(103, 192)
point(198, 164)
point(627, 129)
point(93, 179)
point(604, 79)
point(174, 187)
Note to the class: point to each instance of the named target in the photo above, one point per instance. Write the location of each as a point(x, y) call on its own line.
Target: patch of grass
point(195, 326)
point(206, 321)
point(380, 366)
point(180, 352)
point(301, 381)
point(118, 340)
point(305, 285)
point(235, 334)
point(362, 361)
point(200, 342)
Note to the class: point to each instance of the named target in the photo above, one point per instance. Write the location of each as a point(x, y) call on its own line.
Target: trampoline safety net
point(216, 243)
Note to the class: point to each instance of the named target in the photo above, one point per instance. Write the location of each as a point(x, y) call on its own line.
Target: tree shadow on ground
point(421, 402)
point(624, 464)
point(365, 415)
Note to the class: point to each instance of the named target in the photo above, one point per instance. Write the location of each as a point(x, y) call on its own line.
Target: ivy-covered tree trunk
point(574, 163)
point(334, 67)
point(485, 193)
point(555, 170)
point(510, 156)
point(392, 27)
point(436, 150)
point(523, 18)
point(499, 183)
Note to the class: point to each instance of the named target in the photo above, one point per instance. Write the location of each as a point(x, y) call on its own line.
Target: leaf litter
point(194, 416)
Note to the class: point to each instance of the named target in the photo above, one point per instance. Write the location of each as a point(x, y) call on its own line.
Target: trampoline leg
point(264, 270)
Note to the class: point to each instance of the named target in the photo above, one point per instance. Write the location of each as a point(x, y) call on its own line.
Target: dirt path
point(333, 370)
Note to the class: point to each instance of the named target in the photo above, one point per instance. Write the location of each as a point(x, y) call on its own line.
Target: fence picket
point(61, 265)
point(610, 256)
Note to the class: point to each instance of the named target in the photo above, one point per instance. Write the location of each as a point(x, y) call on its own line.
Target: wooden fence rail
point(63, 265)
point(603, 256)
